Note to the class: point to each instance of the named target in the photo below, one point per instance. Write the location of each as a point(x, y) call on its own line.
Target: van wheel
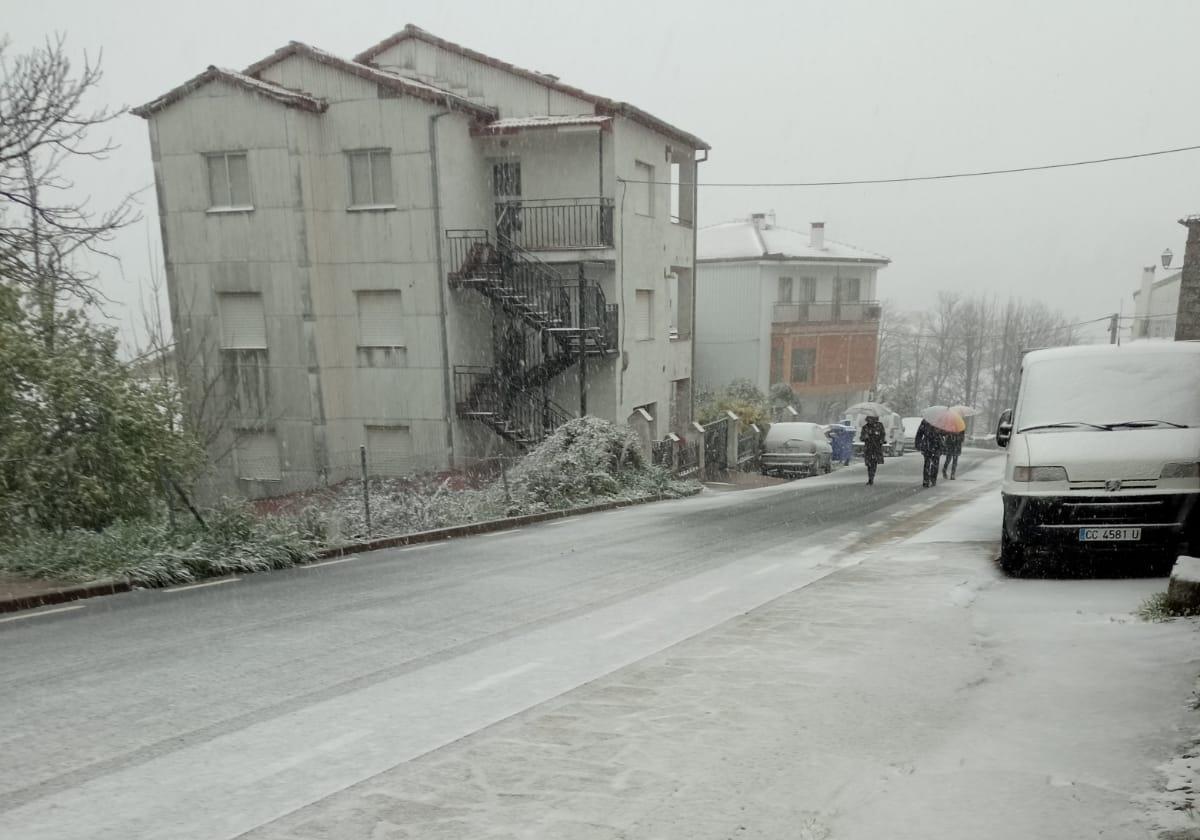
point(1012, 554)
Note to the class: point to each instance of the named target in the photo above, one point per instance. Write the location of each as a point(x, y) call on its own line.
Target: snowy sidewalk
point(915, 693)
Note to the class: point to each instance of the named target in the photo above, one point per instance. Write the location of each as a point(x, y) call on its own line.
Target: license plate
point(1110, 534)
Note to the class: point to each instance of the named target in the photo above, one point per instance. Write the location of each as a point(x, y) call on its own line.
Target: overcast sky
point(784, 91)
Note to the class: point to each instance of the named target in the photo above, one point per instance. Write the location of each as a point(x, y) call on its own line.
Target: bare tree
point(45, 124)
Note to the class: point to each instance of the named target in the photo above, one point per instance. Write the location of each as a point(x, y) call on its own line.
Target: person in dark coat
point(954, 445)
point(930, 443)
point(873, 436)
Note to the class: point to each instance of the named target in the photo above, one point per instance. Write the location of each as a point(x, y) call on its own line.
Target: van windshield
point(1086, 391)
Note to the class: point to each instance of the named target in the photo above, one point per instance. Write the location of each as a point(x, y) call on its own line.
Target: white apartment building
point(423, 250)
point(1156, 304)
point(777, 305)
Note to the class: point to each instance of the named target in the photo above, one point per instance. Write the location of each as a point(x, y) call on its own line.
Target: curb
point(112, 587)
point(62, 596)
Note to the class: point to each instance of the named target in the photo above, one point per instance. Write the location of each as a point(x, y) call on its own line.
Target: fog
point(787, 91)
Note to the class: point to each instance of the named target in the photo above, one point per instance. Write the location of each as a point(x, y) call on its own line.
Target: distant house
point(423, 250)
point(780, 305)
point(1155, 305)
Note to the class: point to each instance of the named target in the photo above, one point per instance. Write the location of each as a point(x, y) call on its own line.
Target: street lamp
point(1167, 256)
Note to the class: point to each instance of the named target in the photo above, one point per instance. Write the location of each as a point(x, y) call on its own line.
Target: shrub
point(147, 552)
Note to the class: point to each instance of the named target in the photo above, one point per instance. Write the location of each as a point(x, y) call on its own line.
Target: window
point(643, 315)
point(785, 290)
point(389, 450)
point(850, 288)
point(804, 362)
point(643, 190)
point(228, 181)
point(257, 456)
point(506, 179)
point(380, 319)
point(777, 362)
point(808, 289)
point(371, 178)
point(243, 322)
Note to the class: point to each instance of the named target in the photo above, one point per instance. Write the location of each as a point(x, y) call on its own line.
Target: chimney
point(759, 220)
point(1141, 306)
point(817, 237)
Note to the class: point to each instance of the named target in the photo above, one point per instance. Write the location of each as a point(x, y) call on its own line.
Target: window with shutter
point(389, 450)
point(808, 289)
point(785, 290)
point(804, 362)
point(371, 178)
point(228, 181)
point(643, 314)
point(243, 322)
point(850, 290)
point(257, 455)
point(643, 191)
point(380, 319)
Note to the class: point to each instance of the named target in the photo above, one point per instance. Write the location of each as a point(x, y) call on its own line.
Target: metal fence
point(557, 224)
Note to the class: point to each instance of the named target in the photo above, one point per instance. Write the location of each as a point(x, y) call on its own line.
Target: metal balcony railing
point(556, 224)
point(816, 313)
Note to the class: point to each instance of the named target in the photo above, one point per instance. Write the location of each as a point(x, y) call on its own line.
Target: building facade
point(1156, 304)
point(425, 251)
point(778, 305)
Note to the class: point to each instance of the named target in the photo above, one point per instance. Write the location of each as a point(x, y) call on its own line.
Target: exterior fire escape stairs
point(547, 325)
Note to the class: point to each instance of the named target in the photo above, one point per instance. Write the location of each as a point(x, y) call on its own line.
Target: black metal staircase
point(547, 324)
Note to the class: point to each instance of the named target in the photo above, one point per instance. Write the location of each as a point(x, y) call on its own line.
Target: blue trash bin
point(842, 441)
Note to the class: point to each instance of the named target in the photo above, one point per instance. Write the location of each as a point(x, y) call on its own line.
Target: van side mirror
point(1004, 428)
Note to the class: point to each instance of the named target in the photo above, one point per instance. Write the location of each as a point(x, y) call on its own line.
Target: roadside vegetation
point(585, 462)
point(1158, 607)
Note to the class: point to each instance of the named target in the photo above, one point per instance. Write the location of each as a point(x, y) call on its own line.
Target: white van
point(1103, 451)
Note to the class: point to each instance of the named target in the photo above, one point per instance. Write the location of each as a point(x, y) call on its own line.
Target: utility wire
point(913, 178)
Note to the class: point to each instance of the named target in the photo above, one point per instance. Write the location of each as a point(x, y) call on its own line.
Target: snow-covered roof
point(518, 123)
point(750, 239)
point(385, 78)
point(282, 95)
point(602, 104)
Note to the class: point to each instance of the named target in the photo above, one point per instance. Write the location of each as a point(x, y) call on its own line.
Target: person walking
point(873, 435)
point(954, 445)
point(929, 442)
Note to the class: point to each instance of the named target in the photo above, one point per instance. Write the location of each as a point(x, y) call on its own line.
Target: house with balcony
point(775, 305)
point(423, 250)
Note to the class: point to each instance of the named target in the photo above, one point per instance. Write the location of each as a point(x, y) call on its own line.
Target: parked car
point(796, 449)
point(1103, 452)
point(894, 445)
point(910, 431)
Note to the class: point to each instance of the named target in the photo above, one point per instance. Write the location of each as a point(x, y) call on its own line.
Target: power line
point(913, 178)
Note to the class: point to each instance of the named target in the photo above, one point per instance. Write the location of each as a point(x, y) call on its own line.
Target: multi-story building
point(423, 250)
point(777, 305)
point(1156, 305)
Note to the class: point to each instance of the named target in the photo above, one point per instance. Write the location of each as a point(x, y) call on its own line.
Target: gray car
point(798, 449)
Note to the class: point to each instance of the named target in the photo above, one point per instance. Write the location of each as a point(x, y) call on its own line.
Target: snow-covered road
point(687, 670)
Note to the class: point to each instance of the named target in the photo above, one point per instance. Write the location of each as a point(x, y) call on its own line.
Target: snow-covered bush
point(585, 461)
point(148, 552)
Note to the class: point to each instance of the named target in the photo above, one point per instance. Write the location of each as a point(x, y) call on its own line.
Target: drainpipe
point(448, 371)
point(695, 275)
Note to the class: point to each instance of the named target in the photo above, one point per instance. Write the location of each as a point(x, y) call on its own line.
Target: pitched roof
point(745, 240)
point(391, 81)
point(603, 105)
point(282, 95)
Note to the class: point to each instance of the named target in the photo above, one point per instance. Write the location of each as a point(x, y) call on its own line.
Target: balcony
point(826, 313)
point(556, 224)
